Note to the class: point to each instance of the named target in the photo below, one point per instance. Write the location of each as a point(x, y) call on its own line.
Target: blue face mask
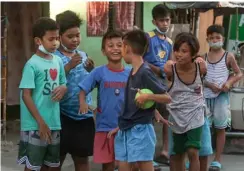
point(161, 32)
point(66, 49)
point(43, 50)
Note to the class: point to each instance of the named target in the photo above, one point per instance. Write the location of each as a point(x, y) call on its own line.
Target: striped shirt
point(217, 73)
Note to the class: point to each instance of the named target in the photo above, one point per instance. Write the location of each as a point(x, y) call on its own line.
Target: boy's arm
point(86, 86)
point(168, 69)
point(45, 132)
point(152, 83)
point(231, 62)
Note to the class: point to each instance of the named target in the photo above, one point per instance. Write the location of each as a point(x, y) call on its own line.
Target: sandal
point(215, 166)
point(162, 160)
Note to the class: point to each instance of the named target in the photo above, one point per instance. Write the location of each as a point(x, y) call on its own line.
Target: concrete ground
point(9, 152)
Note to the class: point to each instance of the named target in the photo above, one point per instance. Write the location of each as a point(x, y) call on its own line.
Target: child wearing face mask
point(43, 85)
point(217, 84)
point(158, 53)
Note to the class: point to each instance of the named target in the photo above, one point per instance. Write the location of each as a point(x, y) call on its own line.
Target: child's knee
point(108, 166)
point(192, 153)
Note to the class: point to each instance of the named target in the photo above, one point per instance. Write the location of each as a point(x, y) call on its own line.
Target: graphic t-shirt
point(111, 86)
point(42, 76)
point(159, 50)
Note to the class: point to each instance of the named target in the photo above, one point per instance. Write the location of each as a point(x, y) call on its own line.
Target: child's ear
point(154, 22)
point(103, 51)
point(37, 41)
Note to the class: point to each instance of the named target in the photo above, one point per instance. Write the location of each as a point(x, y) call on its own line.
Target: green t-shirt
point(42, 76)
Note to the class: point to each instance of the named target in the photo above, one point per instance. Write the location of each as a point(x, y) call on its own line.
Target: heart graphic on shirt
point(53, 74)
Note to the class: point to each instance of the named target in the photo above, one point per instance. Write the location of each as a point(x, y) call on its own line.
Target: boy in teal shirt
point(42, 87)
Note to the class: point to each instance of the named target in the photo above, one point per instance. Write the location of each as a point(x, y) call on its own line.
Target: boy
point(110, 80)
point(206, 146)
point(135, 124)
point(159, 51)
point(77, 134)
point(42, 87)
point(217, 84)
point(187, 107)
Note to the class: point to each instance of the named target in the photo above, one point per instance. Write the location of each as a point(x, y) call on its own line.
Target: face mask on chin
point(66, 49)
point(43, 50)
point(161, 32)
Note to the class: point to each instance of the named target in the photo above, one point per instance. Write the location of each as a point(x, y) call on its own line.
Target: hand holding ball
point(148, 103)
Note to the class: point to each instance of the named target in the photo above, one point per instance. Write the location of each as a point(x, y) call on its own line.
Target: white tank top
point(187, 106)
point(217, 73)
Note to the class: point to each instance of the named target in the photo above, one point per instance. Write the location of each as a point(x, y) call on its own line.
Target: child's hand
point(199, 60)
point(45, 133)
point(89, 64)
point(75, 60)
point(84, 108)
point(111, 133)
point(215, 88)
point(226, 87)
point(140, 100)
point(58, 93)
point(160, 119)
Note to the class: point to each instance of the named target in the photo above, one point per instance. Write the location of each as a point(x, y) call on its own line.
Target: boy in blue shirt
point(77, 134)
point(135, 142)
point(42, 87)
point(159, 52)
point(110, 80)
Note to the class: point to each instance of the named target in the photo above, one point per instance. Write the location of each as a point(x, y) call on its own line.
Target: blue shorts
point(135, 144)
point(206, 143)
point(219, 108)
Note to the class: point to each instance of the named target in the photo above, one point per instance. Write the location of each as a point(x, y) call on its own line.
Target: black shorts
point(162, 110)
point(77, 137)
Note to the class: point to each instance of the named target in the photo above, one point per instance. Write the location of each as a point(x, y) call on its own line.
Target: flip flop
point(215, 166)
point(157, 166)
point(187, 165)
point(162, 160)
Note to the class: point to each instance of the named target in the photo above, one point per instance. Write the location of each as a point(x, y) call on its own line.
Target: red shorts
point(103, 151)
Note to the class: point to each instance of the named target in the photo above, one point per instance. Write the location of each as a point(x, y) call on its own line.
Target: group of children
point(57, 116)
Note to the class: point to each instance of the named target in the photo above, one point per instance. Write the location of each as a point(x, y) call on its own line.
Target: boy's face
point(183, 55)
point(162, 23)
point(112, 49)
point(71, 38)
point(215, 37)
point(50, 40)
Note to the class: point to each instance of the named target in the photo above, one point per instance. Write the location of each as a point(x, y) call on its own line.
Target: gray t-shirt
point(132, 115)
point(187, 106)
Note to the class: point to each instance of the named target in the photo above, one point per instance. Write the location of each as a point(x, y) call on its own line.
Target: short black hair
point(160, 11)
point(137, 40)
point(109, 35)
point(216, 29)
point(68, 19)
point(42, 25)
point(188, 38)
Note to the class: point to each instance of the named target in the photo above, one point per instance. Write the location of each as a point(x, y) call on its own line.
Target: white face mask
point(161, 32)
point(43, 50)
point(216, 45)
point(66, 49)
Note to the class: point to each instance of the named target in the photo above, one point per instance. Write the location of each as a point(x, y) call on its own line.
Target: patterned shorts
point(34, 152)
